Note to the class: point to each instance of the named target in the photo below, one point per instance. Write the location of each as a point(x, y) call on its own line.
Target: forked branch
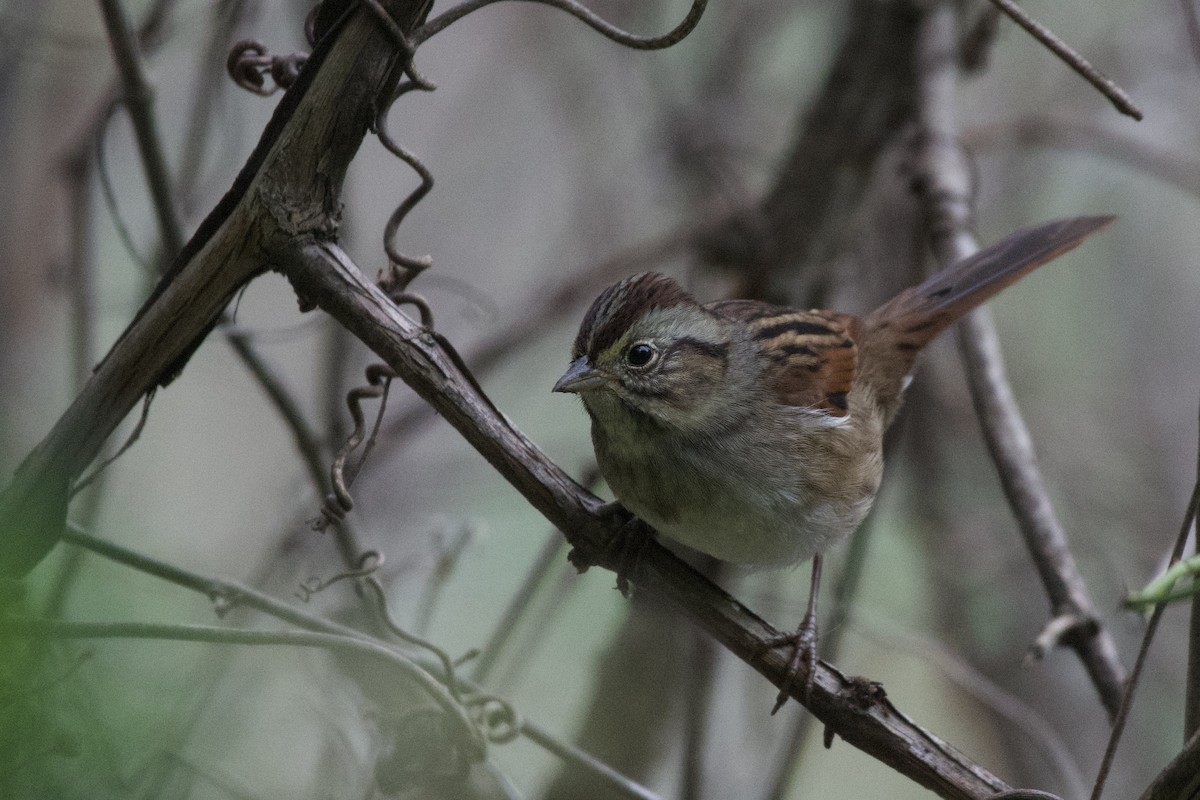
point(946, 186)
point(324, 275)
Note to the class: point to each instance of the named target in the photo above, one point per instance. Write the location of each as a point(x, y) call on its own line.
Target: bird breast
point(758, 494)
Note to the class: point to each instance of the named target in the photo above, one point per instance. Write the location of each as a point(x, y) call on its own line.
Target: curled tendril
point(342, 475)
point(249, 63)
point(402, 269)
point(580, 12)
point(365, 565)
point(389, 622)
point(498, 720)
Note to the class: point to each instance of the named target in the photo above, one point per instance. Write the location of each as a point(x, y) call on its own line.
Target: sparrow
point(754, 432)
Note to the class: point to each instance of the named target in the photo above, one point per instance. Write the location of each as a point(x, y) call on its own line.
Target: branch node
point(1059, 630)
point(249, 62)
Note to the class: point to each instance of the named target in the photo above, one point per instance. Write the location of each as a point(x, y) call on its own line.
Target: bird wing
point(811, 355)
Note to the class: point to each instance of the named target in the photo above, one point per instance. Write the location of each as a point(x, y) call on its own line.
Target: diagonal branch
point(139, 99)
point(946, 185)
point(1106, 85)
point(282, 212)
point(226, 594)
point(323, 275)
point(289, 188)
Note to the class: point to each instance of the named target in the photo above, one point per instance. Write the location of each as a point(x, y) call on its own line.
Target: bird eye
point(639, 355)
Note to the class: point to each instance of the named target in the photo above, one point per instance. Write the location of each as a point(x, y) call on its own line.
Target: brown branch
point(288, 189)
point(139, 99)
point(1180, 780)
point(1191, 702)
point(945, 184)
point(322, 274)
point(1107, 86)
point(550, 307)
point(282, 212)
point(867, 96)
point(1118, 727)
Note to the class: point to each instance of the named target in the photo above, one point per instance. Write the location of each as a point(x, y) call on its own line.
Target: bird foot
point(803, 660)
point(622, 552)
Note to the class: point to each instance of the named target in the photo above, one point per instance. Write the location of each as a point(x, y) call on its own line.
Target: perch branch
point(282, 212)
point(324, 275)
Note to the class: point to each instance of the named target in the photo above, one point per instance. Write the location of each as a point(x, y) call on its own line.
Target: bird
point(754, 432)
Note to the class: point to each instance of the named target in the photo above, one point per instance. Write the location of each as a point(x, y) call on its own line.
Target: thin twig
point(1114, 737)
point(468, 734)
point(324, 274)
point(947, 191)
point(573, 755)
point(582, 13)
point(510, 619)
point(1115, 94)
point(1191, 700)
point(227, 594)
point(130, 441)
point(138, 98)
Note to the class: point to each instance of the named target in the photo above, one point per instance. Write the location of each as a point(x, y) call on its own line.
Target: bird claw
point(804, 652)
point(623, 551)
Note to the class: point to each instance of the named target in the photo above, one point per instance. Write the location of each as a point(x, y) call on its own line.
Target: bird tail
point(895, 333)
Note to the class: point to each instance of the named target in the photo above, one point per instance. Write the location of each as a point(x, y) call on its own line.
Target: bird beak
point(580, 377)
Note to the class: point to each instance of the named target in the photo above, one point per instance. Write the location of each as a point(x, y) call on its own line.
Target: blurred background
point(767, 154)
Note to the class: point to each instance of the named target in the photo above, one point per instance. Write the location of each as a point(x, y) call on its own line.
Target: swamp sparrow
point(754, 433)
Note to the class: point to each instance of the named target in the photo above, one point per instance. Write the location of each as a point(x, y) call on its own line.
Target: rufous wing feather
point(895, 333)
point(813, 354)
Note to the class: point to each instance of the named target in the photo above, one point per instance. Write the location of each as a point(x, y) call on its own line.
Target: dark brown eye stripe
point(715, 350)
